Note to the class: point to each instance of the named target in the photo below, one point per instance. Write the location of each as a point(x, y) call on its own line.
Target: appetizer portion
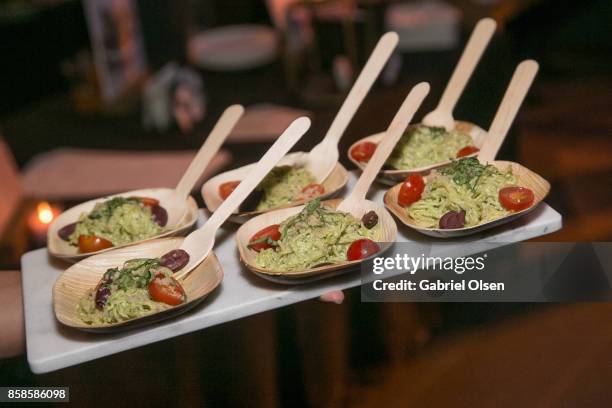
point(138, 288)
point(421, 146)
point(117, 221)
point(464, 194)
point(316, 236)
point(283, 185)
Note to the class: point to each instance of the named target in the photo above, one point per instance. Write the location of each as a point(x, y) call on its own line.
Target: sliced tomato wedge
point(311, 191)
point(92, 243)
point(362, 248)
point(516, 198)
point(411, 190)
point(227, 188)
point(261, 240)
point(363, 151)
point(148, 201)
point(466, 151)
point(166, 289)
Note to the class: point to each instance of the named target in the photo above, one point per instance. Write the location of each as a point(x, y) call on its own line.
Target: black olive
point(370, 219)
point(175, 260)
point(452, 220)
point(102, 295)
point(160, 215)
point(67, 230)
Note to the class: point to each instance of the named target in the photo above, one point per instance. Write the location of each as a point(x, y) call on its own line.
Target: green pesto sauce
point(423, 146)
point(129, 296)
point(317, 235)
point(119, 220)
point(283, 185)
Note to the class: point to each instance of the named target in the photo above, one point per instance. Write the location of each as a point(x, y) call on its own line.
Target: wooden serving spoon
point(442, 115)
point(180, 206)
point(508, 108)
point(355, 204)
point(322, 160)
point(201, 269)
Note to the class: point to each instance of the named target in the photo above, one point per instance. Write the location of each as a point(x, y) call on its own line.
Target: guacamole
point(123, 293)
point(317, 235)
point(423, 146)
point(119, 220)
point(283, 185)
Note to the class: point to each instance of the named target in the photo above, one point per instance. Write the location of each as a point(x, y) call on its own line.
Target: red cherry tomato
point(261, 240)
point(166, 289)
point(147, 201)
point(311, 191)
point(467, 150)
point(411, 190)
point(516, 198)
point(363, 152)
point(92, 243)
point(362, 248)
point(226, 189)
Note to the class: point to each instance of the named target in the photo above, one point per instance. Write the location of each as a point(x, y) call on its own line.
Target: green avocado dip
point(283, 185)
point(317, 235)
point(423, 146)
point(119, 220)
point(123, 293)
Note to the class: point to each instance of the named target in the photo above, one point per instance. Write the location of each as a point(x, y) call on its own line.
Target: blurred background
point(91, 87)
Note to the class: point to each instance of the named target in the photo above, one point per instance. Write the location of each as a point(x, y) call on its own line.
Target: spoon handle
point(392, 135)
point(211, 146)
point(377, 60)
point(513, 98)
point(282, 145)
point(467, 63)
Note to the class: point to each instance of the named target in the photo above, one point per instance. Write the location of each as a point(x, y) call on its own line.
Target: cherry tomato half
point(411, 190)
point(363, 152)
point(226, 189)
point(516, 198)
point(166, 289)
point(261, 240)
point(466, 151)
point(311, 191)
point(148, 201)
point(362, 248)
point(92, 243)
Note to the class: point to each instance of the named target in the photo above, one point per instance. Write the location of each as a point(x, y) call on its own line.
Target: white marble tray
point(51, 346)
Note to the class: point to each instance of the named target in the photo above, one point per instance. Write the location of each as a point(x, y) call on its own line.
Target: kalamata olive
point(453, 219)
point(370, 219)
point(102, 295)
point(250, 203)
point(160, 215)
point(175, 259)
point(67, 230)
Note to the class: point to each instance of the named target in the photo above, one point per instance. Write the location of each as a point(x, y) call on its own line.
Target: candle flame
point(45, 213)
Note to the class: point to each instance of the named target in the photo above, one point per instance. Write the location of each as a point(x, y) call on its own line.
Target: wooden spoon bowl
point(392, 176)
point(525, 178)
point(59, 248)
point(386, 236)
point(333, 184)
point(77, 280)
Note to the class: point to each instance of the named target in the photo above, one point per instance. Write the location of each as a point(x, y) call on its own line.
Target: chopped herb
point(467, 171)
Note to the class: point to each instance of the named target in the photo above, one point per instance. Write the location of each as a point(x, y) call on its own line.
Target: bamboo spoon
point(200, 275)
point(442, 115)
point(180, 206)
point(513, 98)
point(322, 160)
point(355, 204)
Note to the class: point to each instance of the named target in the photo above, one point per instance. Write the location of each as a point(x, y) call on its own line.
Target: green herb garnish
point(466, 171)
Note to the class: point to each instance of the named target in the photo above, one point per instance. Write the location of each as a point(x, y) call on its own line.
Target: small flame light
point(45, 212)
point(39, 221)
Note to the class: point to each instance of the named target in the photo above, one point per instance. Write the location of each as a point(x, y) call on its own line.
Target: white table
point(51, 346)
